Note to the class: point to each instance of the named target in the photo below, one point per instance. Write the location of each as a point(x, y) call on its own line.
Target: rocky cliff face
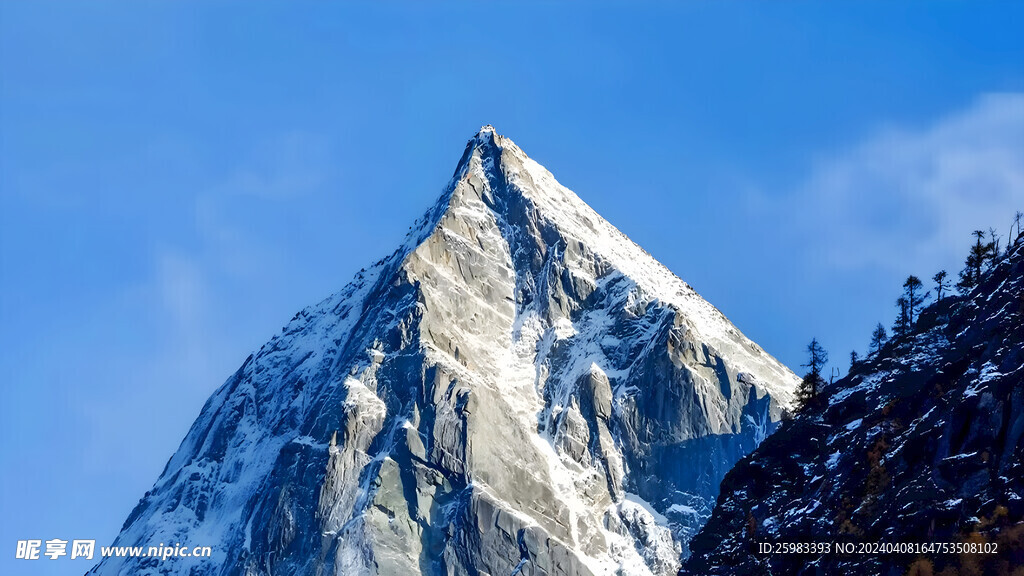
point(518, 389)
point(921, 443)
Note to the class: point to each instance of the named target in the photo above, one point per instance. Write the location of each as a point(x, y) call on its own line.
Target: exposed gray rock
point(518, 389)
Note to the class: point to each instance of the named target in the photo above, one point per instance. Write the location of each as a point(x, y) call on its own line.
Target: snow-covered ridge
point(576, 219)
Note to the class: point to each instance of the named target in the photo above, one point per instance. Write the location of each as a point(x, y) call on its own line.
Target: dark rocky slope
point(920, 443)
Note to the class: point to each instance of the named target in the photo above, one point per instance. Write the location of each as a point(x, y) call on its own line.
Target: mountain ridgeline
point(920, 443)
point(518, 389)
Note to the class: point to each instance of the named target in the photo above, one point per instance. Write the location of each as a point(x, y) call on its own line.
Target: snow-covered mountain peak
point(486, 131)
point(518, 389)
point(513, 178)
point(501, 173)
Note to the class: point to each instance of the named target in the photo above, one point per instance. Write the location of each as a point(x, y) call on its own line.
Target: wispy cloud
point(285, 167)
point(906, 199)
point(201, 302)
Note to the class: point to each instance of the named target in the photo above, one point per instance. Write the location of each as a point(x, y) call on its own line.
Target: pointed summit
point(518, 387)
point(486, 136)
point(518, 189)
point(487, 130)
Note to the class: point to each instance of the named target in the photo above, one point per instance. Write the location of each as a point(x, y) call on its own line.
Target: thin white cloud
point(907, 199)
point(182, 289)
point(283, 168)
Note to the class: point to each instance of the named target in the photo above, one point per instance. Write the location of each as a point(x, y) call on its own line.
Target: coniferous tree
point(1017, 218)
point(878, 338)
point(993, 252)
point(970, 276)
point(901, 327)
point(807, 393)
point(854, 359)
point(941, 284)
point(912, 291)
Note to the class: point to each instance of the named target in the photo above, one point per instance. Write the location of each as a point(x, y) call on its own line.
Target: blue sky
point(177, 179)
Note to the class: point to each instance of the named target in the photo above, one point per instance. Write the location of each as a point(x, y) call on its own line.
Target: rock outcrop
point(518, 389)
point(922, 444)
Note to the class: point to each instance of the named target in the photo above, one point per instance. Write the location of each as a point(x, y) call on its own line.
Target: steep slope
point(519, 388)
point(920, 444)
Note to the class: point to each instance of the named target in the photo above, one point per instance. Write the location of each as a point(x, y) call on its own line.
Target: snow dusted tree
point(854, 358)
point(941, 284)
point(878, 338)
point(807, 393)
